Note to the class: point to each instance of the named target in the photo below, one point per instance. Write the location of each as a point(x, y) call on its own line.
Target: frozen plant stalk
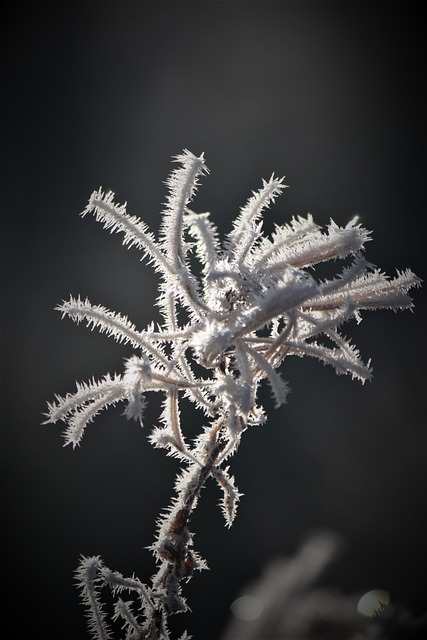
point(254, 301)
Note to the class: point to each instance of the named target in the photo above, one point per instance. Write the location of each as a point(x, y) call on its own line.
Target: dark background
point(329, 94)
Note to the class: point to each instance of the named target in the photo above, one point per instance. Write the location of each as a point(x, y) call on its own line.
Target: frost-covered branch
point(225, 330)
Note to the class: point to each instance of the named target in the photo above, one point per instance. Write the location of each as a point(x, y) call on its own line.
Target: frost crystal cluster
point(227, 325)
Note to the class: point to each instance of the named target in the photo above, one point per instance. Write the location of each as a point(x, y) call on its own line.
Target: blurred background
point(329, 94)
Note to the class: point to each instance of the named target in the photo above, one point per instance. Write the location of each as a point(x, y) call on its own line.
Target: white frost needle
point(225, 329)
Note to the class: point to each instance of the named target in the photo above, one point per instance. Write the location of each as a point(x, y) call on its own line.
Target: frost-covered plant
point(254, 301)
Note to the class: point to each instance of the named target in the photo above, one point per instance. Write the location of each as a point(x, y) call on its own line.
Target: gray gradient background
point(328, 94)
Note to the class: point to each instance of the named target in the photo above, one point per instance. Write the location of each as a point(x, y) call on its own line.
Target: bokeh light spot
point(247, 608)
point(372, 601)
